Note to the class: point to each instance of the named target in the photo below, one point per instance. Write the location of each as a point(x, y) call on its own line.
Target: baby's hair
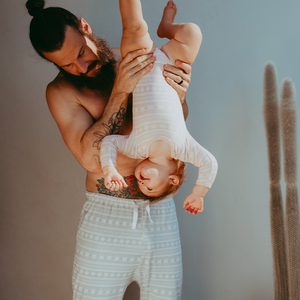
point(172, 189)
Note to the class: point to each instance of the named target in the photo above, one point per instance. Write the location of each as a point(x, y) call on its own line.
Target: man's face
point(86, 61)
point(78, 55)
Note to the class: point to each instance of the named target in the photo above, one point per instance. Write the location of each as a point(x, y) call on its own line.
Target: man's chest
point(93, 103)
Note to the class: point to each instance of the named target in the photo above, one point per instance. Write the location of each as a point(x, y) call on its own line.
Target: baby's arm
point(111, 145)
point(193, 203)
point(113, 180)
point(135, 29)
point(208, 166)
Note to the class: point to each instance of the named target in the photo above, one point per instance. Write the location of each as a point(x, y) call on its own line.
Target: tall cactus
point(288, 129)
point(271, 113)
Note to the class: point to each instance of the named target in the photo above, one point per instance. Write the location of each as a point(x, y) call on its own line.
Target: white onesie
point(157, 114)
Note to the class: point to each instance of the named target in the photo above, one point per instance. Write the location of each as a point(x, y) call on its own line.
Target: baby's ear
point(174, 179)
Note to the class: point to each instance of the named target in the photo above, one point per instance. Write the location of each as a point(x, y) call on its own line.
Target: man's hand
point(174, 75)
point(131, 69)
point(193, 204)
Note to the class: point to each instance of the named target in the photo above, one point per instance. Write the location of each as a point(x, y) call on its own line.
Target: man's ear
point(174, 179)
point(85, 26)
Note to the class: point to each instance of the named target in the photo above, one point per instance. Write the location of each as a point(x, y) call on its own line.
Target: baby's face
point(153, 179)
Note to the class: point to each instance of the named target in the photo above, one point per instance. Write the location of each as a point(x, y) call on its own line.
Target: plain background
point(226, 250)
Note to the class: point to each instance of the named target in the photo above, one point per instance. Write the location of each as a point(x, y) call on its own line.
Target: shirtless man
point(88, 101)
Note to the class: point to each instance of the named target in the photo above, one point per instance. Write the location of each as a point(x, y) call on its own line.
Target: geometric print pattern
point(110, 254)
point(157, 115)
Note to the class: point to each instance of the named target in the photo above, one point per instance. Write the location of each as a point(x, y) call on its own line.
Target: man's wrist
point(119, 95)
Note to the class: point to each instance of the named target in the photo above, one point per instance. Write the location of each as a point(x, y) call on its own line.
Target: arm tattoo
point(114, 125)
point(130, 192)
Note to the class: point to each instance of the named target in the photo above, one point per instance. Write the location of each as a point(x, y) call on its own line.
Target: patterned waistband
point(132, 204)
point(116, 200)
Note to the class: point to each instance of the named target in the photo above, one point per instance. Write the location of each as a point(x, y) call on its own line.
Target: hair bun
point(34, 6)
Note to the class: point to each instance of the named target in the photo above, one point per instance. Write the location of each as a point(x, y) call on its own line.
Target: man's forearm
point(111, 122)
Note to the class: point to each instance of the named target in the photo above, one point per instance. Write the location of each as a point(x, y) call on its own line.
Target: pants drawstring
point(136, 214)
point(148, 211)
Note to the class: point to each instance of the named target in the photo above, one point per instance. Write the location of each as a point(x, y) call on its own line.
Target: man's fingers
point(139, 73)
point(168, 70)
point(132, 55)
point(184, 66)
point(178, 87)
point(136, 70)
point(138, 63)
point(174, 77)
point(141, 66)
point(131, 60)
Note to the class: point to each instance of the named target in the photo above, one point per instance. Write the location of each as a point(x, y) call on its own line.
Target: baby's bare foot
point(167, 19)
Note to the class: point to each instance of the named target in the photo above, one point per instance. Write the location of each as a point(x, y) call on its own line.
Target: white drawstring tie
point(148, 211)
point(136, 214)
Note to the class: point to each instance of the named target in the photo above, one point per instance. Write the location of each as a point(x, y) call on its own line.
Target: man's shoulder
point(60, 84)
point(60, 88)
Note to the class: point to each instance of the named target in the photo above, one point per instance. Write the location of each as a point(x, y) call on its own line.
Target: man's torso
point(94, 103)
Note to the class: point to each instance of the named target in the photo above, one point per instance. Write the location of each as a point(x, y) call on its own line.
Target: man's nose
point(82, 66)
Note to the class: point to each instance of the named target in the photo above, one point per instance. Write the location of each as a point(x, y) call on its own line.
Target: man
point(88, 101)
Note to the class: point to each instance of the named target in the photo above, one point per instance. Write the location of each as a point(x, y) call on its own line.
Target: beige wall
point(226, 250)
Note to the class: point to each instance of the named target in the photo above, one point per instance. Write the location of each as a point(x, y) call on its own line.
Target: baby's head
point(156, 180)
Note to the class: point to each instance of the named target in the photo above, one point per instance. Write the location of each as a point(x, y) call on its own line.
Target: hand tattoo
point(114, 125)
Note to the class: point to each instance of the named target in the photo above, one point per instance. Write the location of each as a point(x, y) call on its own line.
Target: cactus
point(271, 113)
point(288, 130)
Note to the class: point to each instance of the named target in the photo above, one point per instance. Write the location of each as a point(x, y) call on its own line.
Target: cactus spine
point(288, 129)
point(271, 113)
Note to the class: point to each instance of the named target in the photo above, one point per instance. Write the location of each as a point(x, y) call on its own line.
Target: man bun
point(34, 6)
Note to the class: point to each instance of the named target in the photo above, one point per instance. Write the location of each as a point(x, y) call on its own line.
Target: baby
point(159, 135)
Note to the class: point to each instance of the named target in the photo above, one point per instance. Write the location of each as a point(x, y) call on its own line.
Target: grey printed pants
point(122, 240)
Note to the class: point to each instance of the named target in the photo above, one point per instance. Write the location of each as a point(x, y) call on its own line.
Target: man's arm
point(79, 130)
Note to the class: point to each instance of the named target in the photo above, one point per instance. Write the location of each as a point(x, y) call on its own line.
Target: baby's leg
point(185, 38)
point(135, 29)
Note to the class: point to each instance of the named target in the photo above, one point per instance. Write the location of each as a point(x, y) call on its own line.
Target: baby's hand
point(193, 204)
point(114, 181)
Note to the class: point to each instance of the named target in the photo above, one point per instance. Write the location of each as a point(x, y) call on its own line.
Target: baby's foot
point(167, 19)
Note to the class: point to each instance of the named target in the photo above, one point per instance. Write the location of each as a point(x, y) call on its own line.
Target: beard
point(104, 78)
